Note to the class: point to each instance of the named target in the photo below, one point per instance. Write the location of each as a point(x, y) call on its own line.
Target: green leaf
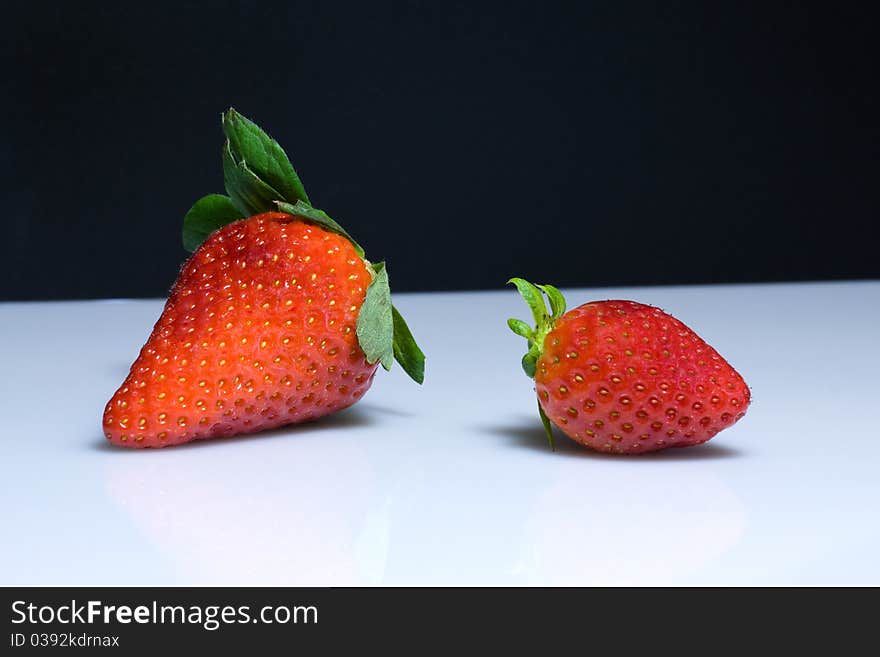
point(557, 301)
point(249, 194)
point(533, 298)
point(520, 328)
point(207, 215)
point(375, 323)
point(548, 429)
point(406, 351)
point(264, 156)
point(544, 323)
point(319, 217)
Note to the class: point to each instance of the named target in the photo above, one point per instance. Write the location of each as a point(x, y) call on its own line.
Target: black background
point(582, 144)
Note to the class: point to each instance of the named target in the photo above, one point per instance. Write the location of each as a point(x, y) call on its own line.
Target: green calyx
point(259, 177)
point(544, 323)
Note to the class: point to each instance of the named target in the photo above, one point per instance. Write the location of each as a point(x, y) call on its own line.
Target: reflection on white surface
point(452, 483)
point(631, 524)
point(220, 515)
point(322, 515)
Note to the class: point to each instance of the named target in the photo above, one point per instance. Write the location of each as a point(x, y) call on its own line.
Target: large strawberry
point(623, 377)
point(276, 318)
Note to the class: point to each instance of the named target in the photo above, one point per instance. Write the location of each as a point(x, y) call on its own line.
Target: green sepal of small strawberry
point(548, 428)
point(544, 323)
point(259, 177)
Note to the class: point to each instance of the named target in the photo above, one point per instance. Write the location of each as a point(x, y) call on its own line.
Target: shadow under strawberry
point(350, 418)
point(528, 435)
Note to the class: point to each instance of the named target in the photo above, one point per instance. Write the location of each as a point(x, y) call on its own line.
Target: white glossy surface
point(453, 483)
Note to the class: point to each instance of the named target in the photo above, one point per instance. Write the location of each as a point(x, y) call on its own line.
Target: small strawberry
point(623, 377)
point(276, 318)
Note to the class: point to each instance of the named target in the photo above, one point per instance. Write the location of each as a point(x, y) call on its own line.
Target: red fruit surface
point(259, 331)
point(623, 377)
